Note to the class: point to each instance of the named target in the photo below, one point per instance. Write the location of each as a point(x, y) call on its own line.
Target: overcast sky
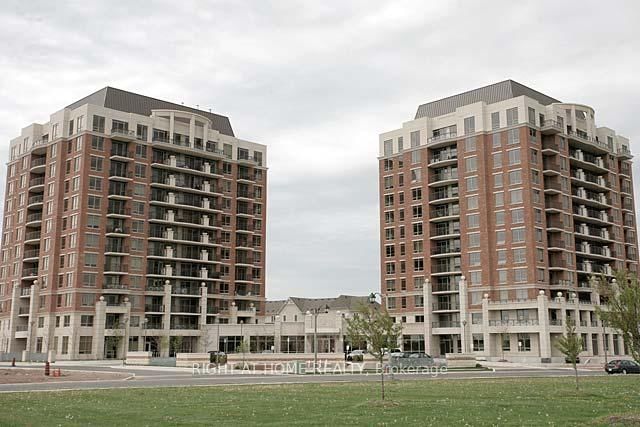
point(317, 82)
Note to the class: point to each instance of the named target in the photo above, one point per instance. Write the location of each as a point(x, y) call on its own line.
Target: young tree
point(372, 326)
point(570, 344)
point(622, 312)
point(176, 344)
point(243, 348)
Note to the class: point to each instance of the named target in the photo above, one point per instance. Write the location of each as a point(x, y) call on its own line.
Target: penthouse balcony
point(587, 142)
point(121, 134)
point(624, 152)
point(551, 127)
point(444, 137)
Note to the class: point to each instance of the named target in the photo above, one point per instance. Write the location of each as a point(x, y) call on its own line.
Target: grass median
point(540, 401)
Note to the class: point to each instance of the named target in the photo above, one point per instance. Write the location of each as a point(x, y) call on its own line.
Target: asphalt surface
point(153, 378)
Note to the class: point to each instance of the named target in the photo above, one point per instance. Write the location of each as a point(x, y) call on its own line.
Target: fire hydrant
point(47, 369)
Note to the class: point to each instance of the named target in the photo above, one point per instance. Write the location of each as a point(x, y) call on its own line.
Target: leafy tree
point(622, 312)
point(243, 348)
point(176, 344)
point(570, 344)
point(372, 326)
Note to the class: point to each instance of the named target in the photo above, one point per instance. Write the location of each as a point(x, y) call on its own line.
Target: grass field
point(533, 402)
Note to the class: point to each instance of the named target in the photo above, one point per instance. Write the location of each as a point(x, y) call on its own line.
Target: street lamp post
point(288, 338)
point(604, 341)
point(145, 321)
point(464, 336)
point(315, 312)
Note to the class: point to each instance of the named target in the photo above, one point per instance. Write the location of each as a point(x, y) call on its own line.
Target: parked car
point(567, 360)
point(391, 351)
point(406, 360)
point(620, 366)
point(217, 357)
point(355, 356)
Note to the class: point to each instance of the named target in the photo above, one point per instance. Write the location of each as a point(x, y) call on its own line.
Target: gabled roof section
point(342, 302)
point(129, 102)
point(273, 307)
point(489, 94)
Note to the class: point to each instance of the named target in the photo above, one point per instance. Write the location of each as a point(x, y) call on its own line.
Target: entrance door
point(446, 344)
point(110, 348)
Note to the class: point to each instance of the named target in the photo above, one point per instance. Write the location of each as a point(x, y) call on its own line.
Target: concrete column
point(233, 313)
point(485, 327)
point(33, 317)
point(98, 328)
point(172, 125)
point(127, 329)
point(428, 316)
point(166, 317)
point(543, 326)
point(192, 132)
point(465, 322)
point(277, 334)
point(15, 308)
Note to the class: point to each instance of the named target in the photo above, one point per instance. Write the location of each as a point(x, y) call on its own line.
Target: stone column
point(486, 335)
point(277, 334)
point(98, 328)
point(543, 326)
point(428, 317)
point(172, 125)
point(465, 323)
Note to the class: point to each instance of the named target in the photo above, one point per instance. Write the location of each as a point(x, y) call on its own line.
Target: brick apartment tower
point(126, 219)
point(496, 208)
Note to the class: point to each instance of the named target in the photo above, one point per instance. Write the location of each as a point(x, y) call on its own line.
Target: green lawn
point(533, 402)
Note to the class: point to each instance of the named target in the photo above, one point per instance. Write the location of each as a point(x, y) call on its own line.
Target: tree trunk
point(382, 376)
point(575, 368)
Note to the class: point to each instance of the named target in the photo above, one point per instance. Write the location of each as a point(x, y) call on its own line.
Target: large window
point(258, 344)
point(524, 342)
point(292, 344)
point(85, 345)
point(413, 343)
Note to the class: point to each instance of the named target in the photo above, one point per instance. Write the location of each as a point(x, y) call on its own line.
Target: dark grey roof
point(490, 94)
point(121, 100)
point(342, 302)
point(273, 307)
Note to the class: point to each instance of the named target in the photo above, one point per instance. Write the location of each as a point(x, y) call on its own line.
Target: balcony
point(446, 306)
point(121, 154)
point(445, 287)
point(115, 286)
point(550, 127)
point(34, 217)
point(118, 211)
point(120, 175)
point(441, 138)
point(32, 235)
point(116, 269)
point(443, 178)
point(36, 182)
point(38, 164)
point(123, 134)
point(624, 152)
point(35, 200)
point(448, 250)
point(514, 322)
point(154, 308)
point(446, 324)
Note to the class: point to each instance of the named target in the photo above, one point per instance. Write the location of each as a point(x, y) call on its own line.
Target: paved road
point(142, 378)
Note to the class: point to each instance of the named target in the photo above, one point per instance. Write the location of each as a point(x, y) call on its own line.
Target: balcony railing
point(154, 308)
point(514, 322)
point(440, 306)
point(35, 199)
point(446, 324)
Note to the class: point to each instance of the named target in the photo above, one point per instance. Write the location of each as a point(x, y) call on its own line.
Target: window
point(416, 156)
point(474, 259)
point(496, 140)
point(94, 202)
point(515, 177)
point(524, 342)
point(417, 229)
point(470, 144)
point(473, 220)
point(497, 160)
point(90, 260)
point(418, 264)
point(415, 138)
point(515, 196)
point(138, 208)
point(502, 276)
point(471, 164)
point(141, 171)
point(91, 240)
point(97, 143)
point(89, 280)
point(95, 183)
point(513, 136)
point(514, 157)
point(517, 235)
point(517, 216)
point(388, 147)
point(96, 164)
point(469, 125)
point(98, 124)
point(93, 221)
point(475, 277)
point(139, 190)
point(497, 180)
point(416, 194)
point(86, 320)
point(502, 256)
point(478, 342)
point(512, 116)
point(416, 175)
point(499, 199)
point(532, 116)
point(495, 120)
point(472, 183)
point(472, 202)
point(85, 344)
point(474, 240)
point(500, 218)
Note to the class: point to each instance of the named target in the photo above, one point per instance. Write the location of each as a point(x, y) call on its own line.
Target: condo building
point(498, 207)
point(126, 219)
